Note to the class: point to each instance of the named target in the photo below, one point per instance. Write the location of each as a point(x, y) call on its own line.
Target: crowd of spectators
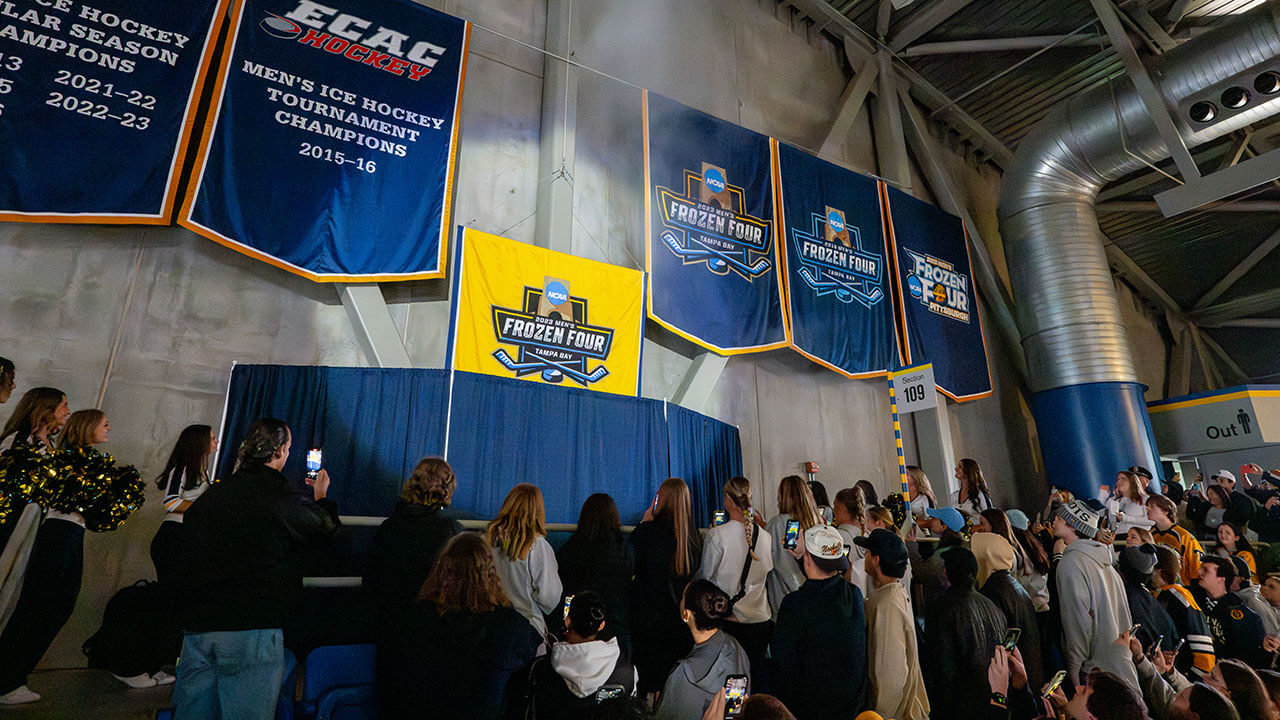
point(858, 606)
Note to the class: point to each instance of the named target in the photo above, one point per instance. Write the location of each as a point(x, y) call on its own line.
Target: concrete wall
point(195, 308)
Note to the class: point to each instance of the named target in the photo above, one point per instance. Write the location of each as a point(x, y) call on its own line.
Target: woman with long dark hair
point(185, 477)
point(595, 559)
point(973, 496)
point(714, 656)
point(665, 549)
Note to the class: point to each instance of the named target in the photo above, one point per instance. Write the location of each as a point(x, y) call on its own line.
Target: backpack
point(139, 632)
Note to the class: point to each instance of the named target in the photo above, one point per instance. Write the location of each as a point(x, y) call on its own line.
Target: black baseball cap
point(886, 545)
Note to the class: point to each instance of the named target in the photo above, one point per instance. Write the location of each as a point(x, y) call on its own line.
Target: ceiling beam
point(1151, 28)
point(1151, 177)
point(1230, 364)
point(1244, 266)
point(1265, 323)
point(1257, 170)
point(1260, 302)
point(851, 102)
point(1147, 90)
point(883, 14)
point(931, 97)
point(1150, 206)
point(1145, 284)
point(986, 45)
point(923, 21)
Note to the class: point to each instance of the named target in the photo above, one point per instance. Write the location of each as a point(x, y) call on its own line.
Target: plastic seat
point(337, 683)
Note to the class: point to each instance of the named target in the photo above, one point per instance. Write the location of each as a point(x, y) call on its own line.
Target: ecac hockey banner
point(331, 143)
point(525, 312)
point(838, 300)
point(937, 304)
point(709, 230)
point(97, 100)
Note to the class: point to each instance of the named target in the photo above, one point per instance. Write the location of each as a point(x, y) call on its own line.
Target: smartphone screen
point(1054, 683)
point(1011, 638)
point(315, 456)
point(792, 535)
point(609, 692)
point(719, 518)
point(735, 695)
point(567, 602)
point(1155, 645)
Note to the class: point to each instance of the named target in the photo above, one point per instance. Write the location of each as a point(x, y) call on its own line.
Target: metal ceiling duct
point(1076, 345)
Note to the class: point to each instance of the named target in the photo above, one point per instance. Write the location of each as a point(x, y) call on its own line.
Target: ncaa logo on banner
point(551, 336)
point(705, 223)
point(832, 261)
point(938, 286)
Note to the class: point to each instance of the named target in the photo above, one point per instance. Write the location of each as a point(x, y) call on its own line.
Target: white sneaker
point(137, 681)
point(163, 678)
point(19, 696)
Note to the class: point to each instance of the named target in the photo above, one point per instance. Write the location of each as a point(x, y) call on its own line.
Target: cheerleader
point(185, 478)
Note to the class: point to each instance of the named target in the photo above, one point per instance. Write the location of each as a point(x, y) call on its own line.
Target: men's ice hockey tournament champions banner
point(713, 272)
point(97, 100)
point(835, 261)
point(526, 312)
point(331, 146)
point(938, 306)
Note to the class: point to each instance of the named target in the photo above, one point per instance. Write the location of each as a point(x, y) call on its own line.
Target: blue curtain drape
point(704, 453)
point(373, 424)
point(570, 443)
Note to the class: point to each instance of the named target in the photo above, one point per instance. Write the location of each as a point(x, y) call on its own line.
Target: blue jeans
point(232, 675)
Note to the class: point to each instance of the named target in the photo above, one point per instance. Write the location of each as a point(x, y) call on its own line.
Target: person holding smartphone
point(795, 503)
point(715, 656)
point(242, 541)
point(737, 557)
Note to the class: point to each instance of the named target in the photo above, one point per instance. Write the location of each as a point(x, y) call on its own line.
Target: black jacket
point(1019, 612)
point(1237, 630)
point(455, 665)
point(659, 637)
point(603, 567)
point(404, 551)
point(819, 651)
point(961, 634)
point(1148, 612)
point(242, 548)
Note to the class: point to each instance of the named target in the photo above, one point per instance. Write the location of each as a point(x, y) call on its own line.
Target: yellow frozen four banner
point(525, 312)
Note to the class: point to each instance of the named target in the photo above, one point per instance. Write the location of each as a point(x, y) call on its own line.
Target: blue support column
point(1089, 432)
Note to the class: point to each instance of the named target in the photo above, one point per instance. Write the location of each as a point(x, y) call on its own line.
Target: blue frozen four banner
point(330, 150)
point(938, 306)
point(97, 100)
point(709, 223)
point(835, 262)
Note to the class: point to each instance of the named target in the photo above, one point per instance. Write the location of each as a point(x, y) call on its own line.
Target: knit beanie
point(1080, 517)
point(1139, 559)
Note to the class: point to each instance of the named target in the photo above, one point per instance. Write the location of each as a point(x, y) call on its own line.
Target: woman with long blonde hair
point(921, 492)
point(737, 556)
point(524, 559)
point(795, 502)
point(665, 548)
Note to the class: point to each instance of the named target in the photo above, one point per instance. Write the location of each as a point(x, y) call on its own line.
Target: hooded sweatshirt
point(700, 675)
point(997, 584)
point(1094, 611)
point(585, 666)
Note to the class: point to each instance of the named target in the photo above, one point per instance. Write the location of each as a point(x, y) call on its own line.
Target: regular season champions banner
point(331, 150)
point(713, 273)
point(526, 312)
point(97, 99)
point(835, 263)
point(936, 296)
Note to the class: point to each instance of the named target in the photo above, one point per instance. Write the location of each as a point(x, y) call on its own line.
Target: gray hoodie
point(1094, 611)
point(700, 675)
point(586, 666)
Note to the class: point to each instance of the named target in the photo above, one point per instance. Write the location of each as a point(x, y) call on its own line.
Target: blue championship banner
point(525, 312)
point(331, 143)
point(97, 103)
point(709, 215)
point(835, 265)
point(937, 304)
